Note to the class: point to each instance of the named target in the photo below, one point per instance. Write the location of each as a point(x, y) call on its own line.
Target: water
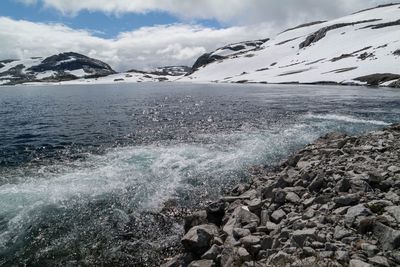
point(85, 170)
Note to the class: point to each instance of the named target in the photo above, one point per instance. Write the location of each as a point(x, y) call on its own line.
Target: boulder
point(278, 215)
point(355, 212)
point(198, 239)
point(300, 236)
point(347, 200)
point(389, 238)
point(202, 263)
point(359, 263)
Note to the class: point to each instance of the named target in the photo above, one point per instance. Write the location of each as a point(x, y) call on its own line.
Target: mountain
point(362, 48)
point(61, 67)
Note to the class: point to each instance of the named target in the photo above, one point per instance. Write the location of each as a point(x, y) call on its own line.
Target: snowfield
point(343, 50)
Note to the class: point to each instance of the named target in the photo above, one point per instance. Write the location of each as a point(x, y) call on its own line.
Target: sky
point(143, 34)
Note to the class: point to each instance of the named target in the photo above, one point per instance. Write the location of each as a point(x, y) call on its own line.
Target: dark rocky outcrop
point(378, 78)
point(321, 33)
point(73, 61)
point(334, 203)
point(383, 25)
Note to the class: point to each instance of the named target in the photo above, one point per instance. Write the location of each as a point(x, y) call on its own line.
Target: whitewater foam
point(345, 118)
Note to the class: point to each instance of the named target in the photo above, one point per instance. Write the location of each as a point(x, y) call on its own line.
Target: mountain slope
point(61, 67)
point(362, 48)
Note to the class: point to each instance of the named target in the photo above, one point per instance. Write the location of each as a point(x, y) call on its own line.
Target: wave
point(346, 118)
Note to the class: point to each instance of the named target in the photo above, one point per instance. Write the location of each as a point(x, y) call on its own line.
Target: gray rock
point(278, 215)
point(347, 200)
point(343, 185)
point(300, 236)
point(240, 232)
point(293, 198)
point(244, 255)
point(195, 219)
point(230, 257)
point(388, 237)
point(359, 263)
point(266, 242)
point(198, 239)
point(280, 259)
point(202, 263)
point(395, 212)
point(369, 249)
point(341, 232)
point(317, 184)
point(394, 169)
point(379, 261)
point(279, 196)
point(342, 256)
point(254, 204)
point(354, 212)
point(250, 240)
point(212, 253)
point(239, 217)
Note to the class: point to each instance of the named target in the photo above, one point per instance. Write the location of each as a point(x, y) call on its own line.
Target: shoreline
point(336, 202)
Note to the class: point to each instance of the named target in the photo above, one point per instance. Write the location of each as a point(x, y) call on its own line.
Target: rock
point(395, 212)
point(359, 263)
point(388, 237)
point(240, 216)
point(244, 255)
point(195, 219)
point(250, 240)
point(212, 253)
point(342, 256)
point(369, 249)
point(215, 212)
point(347, 200)
point(300, 236)
point(292, 198)
point(271, 226)
point(198, 239)
point(254, 204)
point(317, 184)
point(279, 196)
point(343, 185)
point(340, 233)
point(394, 169)
point(202, 263)
point(379, 261)
point(239, 233)
point(267, 242)
point(278, 215)
point(280, 259)
point(230, 257)
point(354, 212)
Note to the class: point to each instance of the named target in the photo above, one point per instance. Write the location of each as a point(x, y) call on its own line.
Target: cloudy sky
point(147, 33)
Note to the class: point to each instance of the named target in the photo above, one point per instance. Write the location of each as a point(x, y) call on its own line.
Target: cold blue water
point(85, 170)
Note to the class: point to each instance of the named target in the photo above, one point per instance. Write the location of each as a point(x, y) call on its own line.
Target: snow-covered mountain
point(61, 67)
point(362, 48)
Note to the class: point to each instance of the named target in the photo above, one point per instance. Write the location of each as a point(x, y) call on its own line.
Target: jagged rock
point(342, 256)
point(347, 200)
point(340, 233)
point(230, 257)
point(359, 263)
point(244, 255)
point(212, 253)
point(239, 233)
point(343, 185)
point(202, 263)
point(395, 212)
point(241, 216)
point(198, 239)
point(280, 259)
point(293, 198)
point(278, 215)
point(379, 261)
point(215, 212)
point(354, 212)
point(195, 219)
point(300, 236)
point(369, 249)
point(317, 184)
point(388, 237)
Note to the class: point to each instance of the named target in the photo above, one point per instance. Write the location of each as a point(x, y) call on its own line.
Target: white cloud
point(143, 48)
point(282, 12)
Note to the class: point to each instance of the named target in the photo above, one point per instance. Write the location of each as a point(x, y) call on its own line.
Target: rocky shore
point(334, 203)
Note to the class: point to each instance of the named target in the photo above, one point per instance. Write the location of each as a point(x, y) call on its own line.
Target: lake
point(85, 170)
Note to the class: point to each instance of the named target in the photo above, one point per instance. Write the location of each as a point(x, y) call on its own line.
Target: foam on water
point(346, 118)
